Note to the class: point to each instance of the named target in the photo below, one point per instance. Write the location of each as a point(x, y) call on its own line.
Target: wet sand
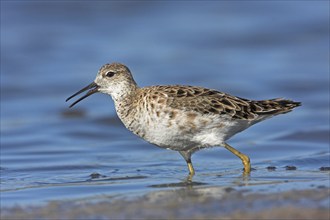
point(201, 203)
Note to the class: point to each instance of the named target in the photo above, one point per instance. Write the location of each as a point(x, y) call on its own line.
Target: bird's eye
point(110, 74)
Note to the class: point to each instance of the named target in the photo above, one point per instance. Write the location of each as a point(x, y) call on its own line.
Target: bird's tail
point(273, 106)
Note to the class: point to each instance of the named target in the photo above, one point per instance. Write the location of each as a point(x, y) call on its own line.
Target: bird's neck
point(124, 92)
point(124, 99)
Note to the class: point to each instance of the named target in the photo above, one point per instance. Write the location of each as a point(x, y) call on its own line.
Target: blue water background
point(251, 49)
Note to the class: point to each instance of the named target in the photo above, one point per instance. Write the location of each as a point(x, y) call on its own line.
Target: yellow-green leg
point(187, 156)
point(190, 168)
point(245, 159)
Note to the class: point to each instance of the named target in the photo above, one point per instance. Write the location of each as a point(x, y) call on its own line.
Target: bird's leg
point(190, 167)
point(187, 156)
point(245, 159)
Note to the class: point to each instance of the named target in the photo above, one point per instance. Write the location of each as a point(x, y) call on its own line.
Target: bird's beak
point(93, 88)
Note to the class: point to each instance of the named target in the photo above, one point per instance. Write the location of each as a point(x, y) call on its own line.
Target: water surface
point(255, 50)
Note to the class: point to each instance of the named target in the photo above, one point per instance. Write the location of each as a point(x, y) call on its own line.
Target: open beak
point(93, 88)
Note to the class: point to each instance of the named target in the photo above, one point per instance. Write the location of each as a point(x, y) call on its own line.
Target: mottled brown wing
point(207, 101)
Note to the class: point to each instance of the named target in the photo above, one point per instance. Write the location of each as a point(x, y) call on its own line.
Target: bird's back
point(208, 101)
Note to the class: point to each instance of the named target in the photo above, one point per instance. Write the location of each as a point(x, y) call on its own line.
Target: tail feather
point(273, 106)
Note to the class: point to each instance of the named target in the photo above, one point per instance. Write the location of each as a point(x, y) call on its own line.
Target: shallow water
point(256, 50)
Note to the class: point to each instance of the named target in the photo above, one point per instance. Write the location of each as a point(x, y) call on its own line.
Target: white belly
point(183, 133)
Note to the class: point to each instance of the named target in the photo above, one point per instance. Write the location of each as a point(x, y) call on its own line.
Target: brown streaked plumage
point(182, 118)
point(207, 101)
